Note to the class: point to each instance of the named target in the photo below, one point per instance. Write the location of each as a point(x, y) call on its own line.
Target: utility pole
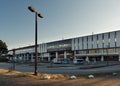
point(13, 58)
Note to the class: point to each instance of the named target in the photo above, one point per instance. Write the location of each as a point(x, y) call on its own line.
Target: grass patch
point(22, 75)
point(54, 76)
point(3, 71)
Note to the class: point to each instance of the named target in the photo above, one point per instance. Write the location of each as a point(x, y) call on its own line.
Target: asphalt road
point(61, 69)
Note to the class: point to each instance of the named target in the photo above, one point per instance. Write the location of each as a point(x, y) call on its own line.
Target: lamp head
point(40, 15)
point(31, 9)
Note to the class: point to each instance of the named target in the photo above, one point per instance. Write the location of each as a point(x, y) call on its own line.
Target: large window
point(118, 50)
point(92, 51)
point(99, 50)
point(59, 45)
point(111, 50)
point(82, 52)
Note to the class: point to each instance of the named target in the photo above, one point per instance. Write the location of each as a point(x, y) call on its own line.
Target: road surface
point(61, 69)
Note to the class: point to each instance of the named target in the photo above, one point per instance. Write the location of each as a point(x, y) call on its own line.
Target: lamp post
point(36, 53)
point(107, 46)
point(13, 59)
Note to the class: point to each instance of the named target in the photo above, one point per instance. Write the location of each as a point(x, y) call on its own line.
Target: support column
point(94, 59)
point(119, 58)
point(56, 55)
point(102, 58)
point(27, 57)
point(49, 59)
point(24, 57)
point(74, 54)
point(21, 57)
point(32, 58)
point(65, 55)
point(87, 59)
point(41, 56)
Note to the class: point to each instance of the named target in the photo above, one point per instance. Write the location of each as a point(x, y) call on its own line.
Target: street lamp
point(36, 53)
point(107, 46)
point(13, 59)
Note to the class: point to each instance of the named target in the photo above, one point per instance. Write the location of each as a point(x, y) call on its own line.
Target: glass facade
point(59, 45)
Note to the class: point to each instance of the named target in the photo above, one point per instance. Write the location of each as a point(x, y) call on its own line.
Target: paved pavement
point(64, 68)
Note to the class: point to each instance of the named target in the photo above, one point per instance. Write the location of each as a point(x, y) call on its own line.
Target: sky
point(63, 19)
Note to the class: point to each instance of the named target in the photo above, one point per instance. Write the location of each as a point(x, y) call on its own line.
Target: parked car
point(64, 61)
point(78, 61)
point(60, 61)
point(56, 61)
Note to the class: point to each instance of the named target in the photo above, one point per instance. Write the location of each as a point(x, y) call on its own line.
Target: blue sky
point(62, 19)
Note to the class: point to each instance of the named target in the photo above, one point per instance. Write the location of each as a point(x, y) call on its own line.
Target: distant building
point(91, 48)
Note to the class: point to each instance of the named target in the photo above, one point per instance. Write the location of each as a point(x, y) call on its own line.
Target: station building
point(91, 48)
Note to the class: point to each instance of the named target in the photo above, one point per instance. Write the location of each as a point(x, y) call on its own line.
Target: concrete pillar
point(32, 58)
point(42, 56)
point(49, 59)
point(27, 57)
point(102, 58)
point(65, 55)
point(56, 55)
point(22, 57)
point(87, 59)
point(119, 58)
point(94, 60)
point(74, 54)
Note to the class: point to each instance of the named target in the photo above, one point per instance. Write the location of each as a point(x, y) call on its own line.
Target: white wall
point(105, 40)
point(76, 44)
point(100, 41)
point(85, 42)
point(80, 43)
point(118, 38)
point(94, 41)
point(73, 44)
point(89, 42)
point(42, 47)
point(112, 39)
